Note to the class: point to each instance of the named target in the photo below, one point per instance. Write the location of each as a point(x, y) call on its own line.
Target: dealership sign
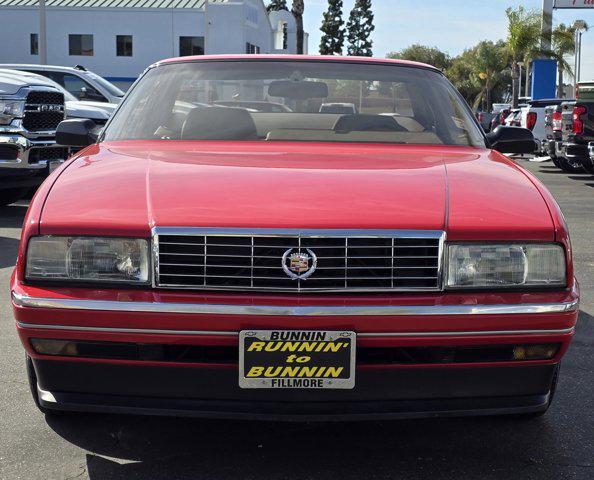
point(574, 3)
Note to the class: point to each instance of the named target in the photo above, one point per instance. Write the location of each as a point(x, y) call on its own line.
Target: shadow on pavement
point(12, 216)
point(487, 448)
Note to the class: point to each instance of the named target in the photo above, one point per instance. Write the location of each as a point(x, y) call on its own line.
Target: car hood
point(11, 81)
point(130, 187)
point(77, 109)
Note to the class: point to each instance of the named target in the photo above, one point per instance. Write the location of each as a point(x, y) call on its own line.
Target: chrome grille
point(253, 260)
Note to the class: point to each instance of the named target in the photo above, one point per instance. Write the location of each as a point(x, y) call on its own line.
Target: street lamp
point(42, 34)
point(580, 27)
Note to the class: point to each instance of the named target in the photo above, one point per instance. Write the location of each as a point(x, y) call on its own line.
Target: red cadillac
point(294, 238)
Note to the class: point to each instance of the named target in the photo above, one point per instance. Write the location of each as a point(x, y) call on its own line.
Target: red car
point(199, 259)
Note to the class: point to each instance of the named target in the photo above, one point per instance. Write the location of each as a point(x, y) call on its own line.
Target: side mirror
point(77, 132)
point(512, 140)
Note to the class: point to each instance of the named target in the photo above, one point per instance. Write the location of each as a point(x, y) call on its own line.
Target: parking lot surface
point(558, 446)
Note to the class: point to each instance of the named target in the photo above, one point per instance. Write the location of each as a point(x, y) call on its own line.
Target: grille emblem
point(298, 265)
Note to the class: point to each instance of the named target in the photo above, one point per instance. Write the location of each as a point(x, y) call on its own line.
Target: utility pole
point(546, 28)
point(42, 34)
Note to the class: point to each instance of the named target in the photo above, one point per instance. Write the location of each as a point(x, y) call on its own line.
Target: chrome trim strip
point(235, 334)
point(285, 232)
point(284, 311)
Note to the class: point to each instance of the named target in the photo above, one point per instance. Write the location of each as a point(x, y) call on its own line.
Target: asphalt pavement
point(558, 446)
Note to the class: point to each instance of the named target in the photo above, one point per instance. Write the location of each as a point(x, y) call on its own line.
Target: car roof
point(300, 58)
point(58, 68)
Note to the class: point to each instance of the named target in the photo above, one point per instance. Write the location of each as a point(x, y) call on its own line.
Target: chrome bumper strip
point(77, 328)
point(297, 311)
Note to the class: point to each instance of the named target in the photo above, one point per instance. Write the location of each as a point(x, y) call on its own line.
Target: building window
point(34, 44)
point(191, 46)
point(80, 45)
point(124, 45)
point(251, 48)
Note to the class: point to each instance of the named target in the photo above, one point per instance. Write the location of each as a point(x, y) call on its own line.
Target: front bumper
point(152, 385)
point(27, 161)
point(379, 394)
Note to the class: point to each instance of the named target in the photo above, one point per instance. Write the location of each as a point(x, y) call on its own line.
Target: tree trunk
point(515, 83)
point(488, 94)
point(560, 87)
point(300, 34)
point(527, 87)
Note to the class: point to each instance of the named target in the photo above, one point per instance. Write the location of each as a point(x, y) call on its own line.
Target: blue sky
point(451, 25)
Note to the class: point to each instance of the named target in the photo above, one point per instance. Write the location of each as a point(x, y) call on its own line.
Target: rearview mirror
point(77, 132)
point(512, 140)
point(299, 90)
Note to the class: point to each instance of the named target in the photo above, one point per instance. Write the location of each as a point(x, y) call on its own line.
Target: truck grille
point(44, 110)
point(297, 261)
point(47, 153)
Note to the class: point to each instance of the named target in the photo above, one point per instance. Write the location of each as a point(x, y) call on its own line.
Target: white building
point(118, 39)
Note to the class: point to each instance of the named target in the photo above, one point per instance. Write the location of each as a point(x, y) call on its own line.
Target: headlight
point(505, 265)
point(88, 259)
point(10, 109)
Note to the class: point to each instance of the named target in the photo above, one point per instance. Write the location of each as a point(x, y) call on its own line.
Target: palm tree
point(297, 10)
point(563, 44)
point(523, 37)
point(488, 62)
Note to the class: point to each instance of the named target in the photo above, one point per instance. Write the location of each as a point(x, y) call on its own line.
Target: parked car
point(513, 119)
point(338, 107)
point(499, 107)
point(263, 106)
point(294, 265)
point(532, 117)
point(30, 111)
point(578, 129)
point(80, 82)
point(485, 119)
point(99, 112)
point(498, 119)
point(591, 151)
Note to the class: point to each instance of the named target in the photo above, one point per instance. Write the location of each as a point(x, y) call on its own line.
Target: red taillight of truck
point(557, 121)
point(531, 120)
point(578, 123)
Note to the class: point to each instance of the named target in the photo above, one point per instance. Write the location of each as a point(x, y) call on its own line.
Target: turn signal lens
point(47, 346)
point(536, 352)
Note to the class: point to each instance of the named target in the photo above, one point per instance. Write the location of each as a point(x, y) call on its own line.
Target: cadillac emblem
point(299, 265)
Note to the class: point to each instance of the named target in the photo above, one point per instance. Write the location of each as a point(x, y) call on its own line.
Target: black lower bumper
point(385, 393)
point(21, 178)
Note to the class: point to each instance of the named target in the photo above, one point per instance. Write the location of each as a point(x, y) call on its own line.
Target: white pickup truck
point(532, 117)
point(31, 107)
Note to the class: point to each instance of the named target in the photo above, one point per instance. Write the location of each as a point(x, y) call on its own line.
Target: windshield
point(295, 101)
point(110, 87)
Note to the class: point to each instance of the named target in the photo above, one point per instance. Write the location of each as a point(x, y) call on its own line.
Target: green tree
point(420, 53)
point(275, 5)
point(332, 27)
point(297, 10)
point(488, 63)
point(359, 28)
point(481, 73)
point(523, 35)
point(563, 44)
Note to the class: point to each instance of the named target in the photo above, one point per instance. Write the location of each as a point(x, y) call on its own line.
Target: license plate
point(301, 359)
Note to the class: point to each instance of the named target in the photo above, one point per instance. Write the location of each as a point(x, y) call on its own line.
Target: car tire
point(11, 195)
point(32, 377)
point(588, 164)
point(570, 166)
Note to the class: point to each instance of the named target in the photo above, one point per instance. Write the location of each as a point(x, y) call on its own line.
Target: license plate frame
point(332, 356)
